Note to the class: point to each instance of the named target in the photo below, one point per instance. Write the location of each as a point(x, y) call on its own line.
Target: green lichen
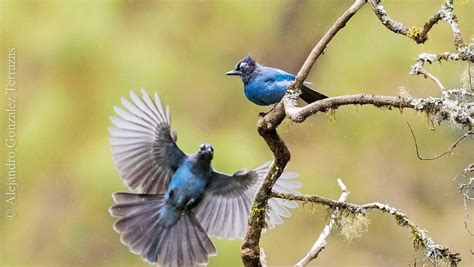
point(401, 220)
point(352, 225)
point(418, 242)
point(259, 214)
point(455, 106)
point(309, 206)
point(332, 114)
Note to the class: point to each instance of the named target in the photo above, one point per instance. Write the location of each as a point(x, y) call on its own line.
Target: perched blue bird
point(265, 86)
point(179, 199)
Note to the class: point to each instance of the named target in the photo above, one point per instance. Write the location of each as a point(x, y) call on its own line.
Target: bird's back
point(267, 86)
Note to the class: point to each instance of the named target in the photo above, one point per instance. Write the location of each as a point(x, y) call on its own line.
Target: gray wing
point(143, 145)
point(225, 208)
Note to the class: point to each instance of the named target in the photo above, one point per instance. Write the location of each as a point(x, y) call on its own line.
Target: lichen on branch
point(454, 106)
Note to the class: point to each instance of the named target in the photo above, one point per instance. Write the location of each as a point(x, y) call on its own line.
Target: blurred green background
point(75, 60)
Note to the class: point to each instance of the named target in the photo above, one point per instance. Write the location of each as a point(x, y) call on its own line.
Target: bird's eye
point(242, 65)
point(203, 146)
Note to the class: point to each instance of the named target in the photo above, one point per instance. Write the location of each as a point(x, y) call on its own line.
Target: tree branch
point(466, 189)
point(419, 35)
point(433, 251)
point(299, 114)
point(465, 54)
point(321, 243)
point(447, 14)
point(266, 127)
point(428, 75)
point(322, 44)
point(455, 111)
point(250, 251)
point(263, 258)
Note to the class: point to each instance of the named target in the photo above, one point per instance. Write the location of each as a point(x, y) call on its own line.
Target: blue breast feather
point(187, 185)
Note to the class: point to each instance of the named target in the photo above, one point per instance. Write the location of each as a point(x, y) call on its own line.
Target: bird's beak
point(233, 73)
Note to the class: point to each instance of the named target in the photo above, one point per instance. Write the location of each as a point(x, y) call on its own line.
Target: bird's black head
point(206, 152)
point(245, 67)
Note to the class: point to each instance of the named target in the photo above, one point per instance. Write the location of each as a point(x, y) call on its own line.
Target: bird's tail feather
point(309, 95)
point(183, 244)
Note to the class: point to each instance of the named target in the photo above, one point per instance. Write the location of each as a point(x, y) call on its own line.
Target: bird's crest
point(248, 59)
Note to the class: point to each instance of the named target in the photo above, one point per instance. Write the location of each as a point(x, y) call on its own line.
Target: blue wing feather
point(269, 86)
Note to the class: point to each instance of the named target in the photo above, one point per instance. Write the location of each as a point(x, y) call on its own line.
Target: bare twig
point(467, 218)
point(321, 243)
point(465, 53)
point(263, 258)
point(467, 170)
point(449, 151)
point(466, 189)
point(433, 251)
point(428, 74)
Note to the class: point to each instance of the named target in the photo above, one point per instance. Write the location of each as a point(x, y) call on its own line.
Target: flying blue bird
point(179, 199)
point(266, 86)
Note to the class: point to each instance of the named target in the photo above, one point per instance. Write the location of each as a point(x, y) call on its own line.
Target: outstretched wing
point(143, 145)
point(225, 208)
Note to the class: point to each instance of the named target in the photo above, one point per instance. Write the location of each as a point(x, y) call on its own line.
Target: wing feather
point(143, 145)
point(225, 208)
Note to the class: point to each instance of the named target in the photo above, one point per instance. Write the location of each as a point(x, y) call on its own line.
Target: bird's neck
point(201, 164)
point(246, 78)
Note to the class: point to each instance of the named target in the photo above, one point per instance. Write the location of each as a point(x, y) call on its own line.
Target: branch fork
point(267, 127)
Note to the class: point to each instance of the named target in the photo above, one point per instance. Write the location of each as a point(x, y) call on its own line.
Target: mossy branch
point(454, 106)
point(432, 250)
